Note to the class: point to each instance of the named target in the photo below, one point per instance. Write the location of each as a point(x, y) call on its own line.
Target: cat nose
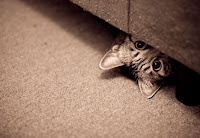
point(115, 48)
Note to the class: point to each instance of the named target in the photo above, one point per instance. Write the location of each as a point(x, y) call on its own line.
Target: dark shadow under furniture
point(171, 26)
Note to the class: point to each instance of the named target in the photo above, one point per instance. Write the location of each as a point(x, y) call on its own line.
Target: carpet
point(51, 86)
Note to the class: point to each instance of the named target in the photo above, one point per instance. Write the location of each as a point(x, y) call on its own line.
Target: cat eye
point(156, 65)
point(140, 45)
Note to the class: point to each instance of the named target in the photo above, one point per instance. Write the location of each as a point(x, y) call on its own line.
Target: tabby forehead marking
point(148, 65)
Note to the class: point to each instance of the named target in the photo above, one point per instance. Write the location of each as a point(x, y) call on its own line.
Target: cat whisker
point(142, 62)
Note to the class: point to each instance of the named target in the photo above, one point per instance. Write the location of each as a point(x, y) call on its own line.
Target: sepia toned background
point(169, 26)
point(51, 86)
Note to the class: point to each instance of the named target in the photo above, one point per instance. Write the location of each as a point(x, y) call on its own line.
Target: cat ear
point(110, 60)
point(147, 88)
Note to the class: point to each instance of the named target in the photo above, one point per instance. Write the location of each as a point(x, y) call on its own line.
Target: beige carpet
point(51, 86)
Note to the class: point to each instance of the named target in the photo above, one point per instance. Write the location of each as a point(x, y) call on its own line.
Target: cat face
point(149, 65)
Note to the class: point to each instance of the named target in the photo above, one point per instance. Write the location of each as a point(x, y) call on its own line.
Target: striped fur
point(148, 65)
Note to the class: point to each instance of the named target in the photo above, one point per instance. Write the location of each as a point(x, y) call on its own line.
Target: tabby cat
point(149, 66)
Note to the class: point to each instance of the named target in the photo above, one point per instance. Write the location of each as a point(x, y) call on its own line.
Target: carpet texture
point(51, 86)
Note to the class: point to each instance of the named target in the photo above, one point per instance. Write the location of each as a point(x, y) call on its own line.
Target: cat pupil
point(146, 64)
point(156, 65)
point(139, 44)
